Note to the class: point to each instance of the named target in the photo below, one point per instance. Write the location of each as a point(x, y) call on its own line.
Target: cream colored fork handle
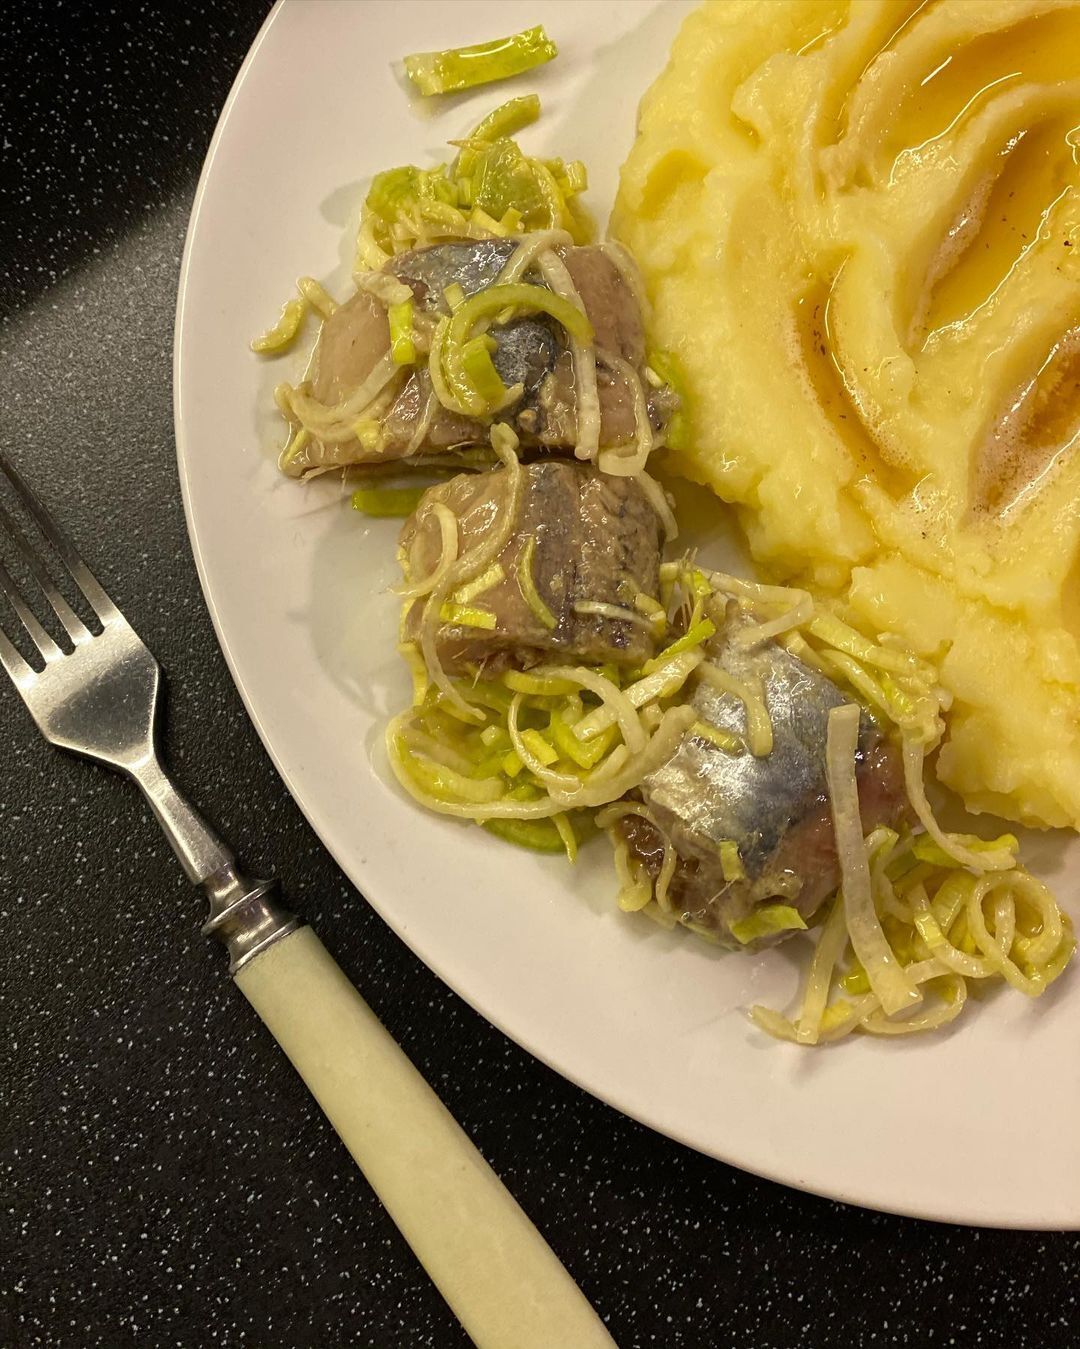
point(500, 1277)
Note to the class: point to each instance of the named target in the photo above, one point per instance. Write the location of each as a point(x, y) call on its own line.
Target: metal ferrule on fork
point(244, 915)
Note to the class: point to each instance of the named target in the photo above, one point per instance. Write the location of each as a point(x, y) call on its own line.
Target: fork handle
point(501, 1279)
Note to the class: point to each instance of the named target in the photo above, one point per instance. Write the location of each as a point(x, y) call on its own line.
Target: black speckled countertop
point(166, 1179)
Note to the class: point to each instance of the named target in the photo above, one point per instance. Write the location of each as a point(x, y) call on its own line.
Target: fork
point(100, 700)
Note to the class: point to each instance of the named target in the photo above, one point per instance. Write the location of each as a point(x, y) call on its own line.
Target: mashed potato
point(859, 225)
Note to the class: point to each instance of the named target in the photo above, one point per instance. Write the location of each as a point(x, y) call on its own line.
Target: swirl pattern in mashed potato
point(859, 225)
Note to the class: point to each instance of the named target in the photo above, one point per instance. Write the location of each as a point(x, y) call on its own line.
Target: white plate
point(978, 1125)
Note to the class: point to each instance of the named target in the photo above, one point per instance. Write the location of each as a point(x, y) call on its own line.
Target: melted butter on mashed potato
point(859, 225)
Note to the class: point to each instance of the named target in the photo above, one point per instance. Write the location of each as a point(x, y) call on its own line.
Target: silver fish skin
point(774, 808)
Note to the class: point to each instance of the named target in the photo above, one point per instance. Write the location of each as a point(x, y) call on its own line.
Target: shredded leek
point(490, 188)
point(917, 915)
point(456, 68)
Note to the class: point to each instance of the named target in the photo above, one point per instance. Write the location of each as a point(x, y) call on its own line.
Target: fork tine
point(74, 626)
point(22, 673)
point(38, 635)
point(92, 591)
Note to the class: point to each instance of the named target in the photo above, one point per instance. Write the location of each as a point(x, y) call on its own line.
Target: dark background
point(166, 1180)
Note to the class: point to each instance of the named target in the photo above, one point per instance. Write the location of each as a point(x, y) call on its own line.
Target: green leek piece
point(765, 920)
point(502, 177)
point(731, 863)
point(467, 616)
point(716, 735)
point(507, 119)
point(527, 585)
point(695, 636)
point(542, 749)
point(539, 835)
point(478, 369)
point(386, 502)
point(394, 188)
point(926, 850)
point(575, 179)
point(284, 330)
point(446, 72)
point(584, 753)
point(402, 343)
point(542, 686)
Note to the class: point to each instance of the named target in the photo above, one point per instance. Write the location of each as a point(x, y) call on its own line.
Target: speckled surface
point(166, 1182)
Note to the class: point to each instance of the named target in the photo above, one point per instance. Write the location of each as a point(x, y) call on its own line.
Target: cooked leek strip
point(507, 119)
point(317, 296)
point(538, 835)
point(527, 585)
point(448, 552)
point(652, 609)
point(456, 68)
point(595, 790)
point(664, 877)
point(322, 420)
point(696, 636)
point(635, 888)
point(986, 859)
point(732, 868)
point(617, 613)
point(759, 732)
point(479, 585)
point(890, 983)
point(521, 681)
point(530, 248)
point(725, 740)
point(402, 337)
point(297, 443)
point(765, 921)
point(835, 633)
point(798, 614)
point(816, 990)
point(466, 616)
point(386, 501)
point(525, 747)
point(587, 399)
point(284, 331)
